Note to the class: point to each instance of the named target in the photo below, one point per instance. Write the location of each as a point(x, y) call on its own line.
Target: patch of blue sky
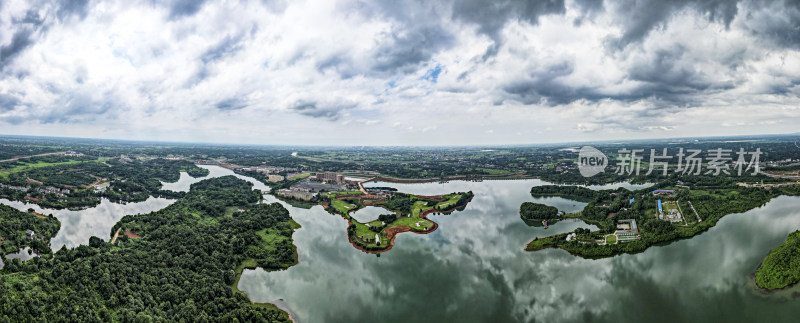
point(433, 74)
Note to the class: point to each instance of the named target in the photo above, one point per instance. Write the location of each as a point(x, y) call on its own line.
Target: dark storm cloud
point(491, 16)
point(339, 62)
point(417, 34)
point(21, 40)
point(183, 8)
point(776, 21)
point(402, 51)
point(322, 111)
point(669, 71)
point(8, 102)
point(231, 104)
point(32, 25)
point(638, 18)
point(543, 86)
point(68, 8)
point(31, 17)
point(411, 47)
point(666, 77)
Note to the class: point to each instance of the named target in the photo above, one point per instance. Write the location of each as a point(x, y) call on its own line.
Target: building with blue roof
point(660, 210)
point(656, 192)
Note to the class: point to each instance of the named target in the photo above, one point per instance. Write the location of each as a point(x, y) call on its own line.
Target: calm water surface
point(474, 269)
point(24, 254)
point(369, 213)
point(185, 181)
point(77, 226)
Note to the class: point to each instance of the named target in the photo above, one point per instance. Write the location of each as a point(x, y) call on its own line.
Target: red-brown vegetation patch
point(131, 234)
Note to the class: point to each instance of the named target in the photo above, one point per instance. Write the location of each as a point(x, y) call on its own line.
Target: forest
point(129, 180)
point(781, 267)
point(14, 225)
point(183, 268)
point(535, 211)
point(577, 193)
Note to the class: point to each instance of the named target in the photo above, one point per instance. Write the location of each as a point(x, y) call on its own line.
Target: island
point(535, 213)
point(632, 221)
point(405, 213)
point(781, 267)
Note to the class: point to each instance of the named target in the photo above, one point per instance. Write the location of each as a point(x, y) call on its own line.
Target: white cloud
point(315, 72)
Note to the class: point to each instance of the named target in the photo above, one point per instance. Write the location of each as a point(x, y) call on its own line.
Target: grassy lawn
point(338, 193)
point(542, 243)
point(418, 207)
point(347, 192)
point(411, 222)
point(362, 229)
point(28, 166)
point(230, 210)
point(496, 171)
point(303, 175)
point(687, 213)
point(452, 201)
point(363, 232)
point(269, 237)
point(294, 224)
point(342, 206)
point(611, 239)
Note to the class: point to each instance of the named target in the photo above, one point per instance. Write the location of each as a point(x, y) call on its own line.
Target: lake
point(77, 226)
point(185, 181)
point(474, 269)
point(369, 213)
point(24, 254)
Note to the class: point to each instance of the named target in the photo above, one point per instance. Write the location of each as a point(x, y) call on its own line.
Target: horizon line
point(399, 146)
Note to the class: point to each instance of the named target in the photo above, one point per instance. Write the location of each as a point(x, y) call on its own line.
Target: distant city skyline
point(393, 73)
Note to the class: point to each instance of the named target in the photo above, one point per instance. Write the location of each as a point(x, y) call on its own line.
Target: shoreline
point(447, 179)
point(244, 265)
point(768, 291)
point(402, 229)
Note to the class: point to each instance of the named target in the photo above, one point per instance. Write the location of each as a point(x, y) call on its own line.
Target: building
point(329, 177)
point(16, 188)
point(628, 224)
point(298, 194)
point(660, 210)
point(30, 234)
point(275, 178)
point(627, 230)
point(663, 192)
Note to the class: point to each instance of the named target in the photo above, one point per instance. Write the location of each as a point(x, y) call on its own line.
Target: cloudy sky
point(398, 72)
